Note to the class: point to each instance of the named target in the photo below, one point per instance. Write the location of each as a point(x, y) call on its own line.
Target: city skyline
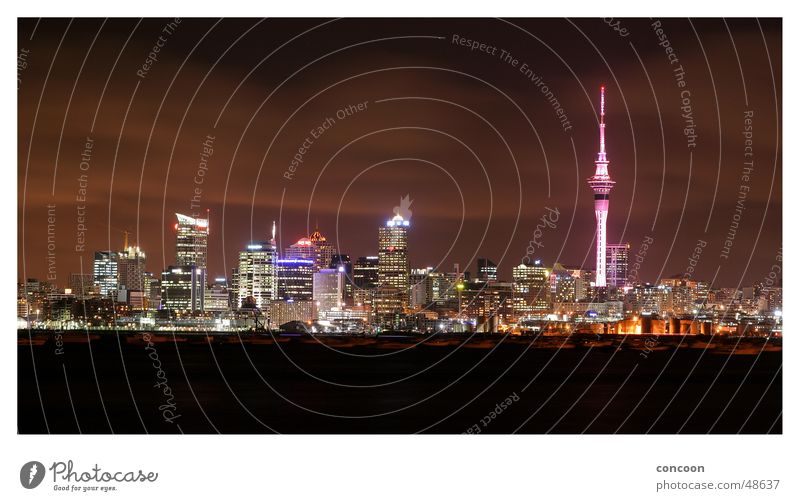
point(187, 164)
point(400, 225)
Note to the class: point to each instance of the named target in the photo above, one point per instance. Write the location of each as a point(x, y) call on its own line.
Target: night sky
point(467, 134)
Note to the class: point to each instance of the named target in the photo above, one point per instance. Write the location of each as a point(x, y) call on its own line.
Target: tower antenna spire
point(602, 122)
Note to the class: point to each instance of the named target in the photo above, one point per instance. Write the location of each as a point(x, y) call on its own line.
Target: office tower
point(328, 291)
point(258, 275)
point(648, 299)
point(365, 272)
point(393, 268)
point(682, 293)
point(531, 288)
point(583, 281)
point(295, 279)
point(191, 241)
point(183, 288)
point(82, 284)
point(421, 293)
point(617, 264)
point(488, 304)
point(324, 250)
point(302, 249)
point(152, 291)
point(487, 270)
point(365, 281)
point(282, 312)
point(562, 285)
point(342, 263)
point(233, 288)
point(130, 267)
point(601, 184)
point(105, 272)
point(217, 296)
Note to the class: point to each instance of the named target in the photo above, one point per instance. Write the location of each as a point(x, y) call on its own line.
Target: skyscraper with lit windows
point(617, 264)
point(257, 276)
point(393, 266)
point(295, 279)
point(105, 272)
point(531, 288)
point(191, 241)
point(324, 250)
point(130, 267)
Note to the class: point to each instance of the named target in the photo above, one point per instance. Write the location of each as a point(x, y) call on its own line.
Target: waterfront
point(397, 384)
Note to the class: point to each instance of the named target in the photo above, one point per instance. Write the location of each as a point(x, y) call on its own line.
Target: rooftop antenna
point(602, 154)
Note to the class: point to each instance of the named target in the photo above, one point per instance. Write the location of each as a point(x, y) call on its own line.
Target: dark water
point(108, 386)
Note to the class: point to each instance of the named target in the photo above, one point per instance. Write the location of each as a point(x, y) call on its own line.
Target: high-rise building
point(328, 291)
point(562, 285)
point(130, 267)
point(531, 288)
point(601, 184)
point(105, 272)
point(617, 264)
point(191, 241)
point(295, 279)
point(487, 270)
point(233, 289)
point(648, 299)
point(365, 272)
point(82, 284)
point(152, 291)
point(489, 304)
point(183, 288)
point(365, 281)
point(302, 249)
point(217, 296)
point(324, 250)
point(444, 292)
point(421, 293)
point(342, 263)
point(258, 275)
point(282, 312)
point(393, 267)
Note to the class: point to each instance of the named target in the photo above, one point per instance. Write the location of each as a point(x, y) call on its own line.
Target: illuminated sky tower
point(601, 184)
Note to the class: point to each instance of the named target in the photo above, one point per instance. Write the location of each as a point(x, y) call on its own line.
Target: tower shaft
point(601, 184)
